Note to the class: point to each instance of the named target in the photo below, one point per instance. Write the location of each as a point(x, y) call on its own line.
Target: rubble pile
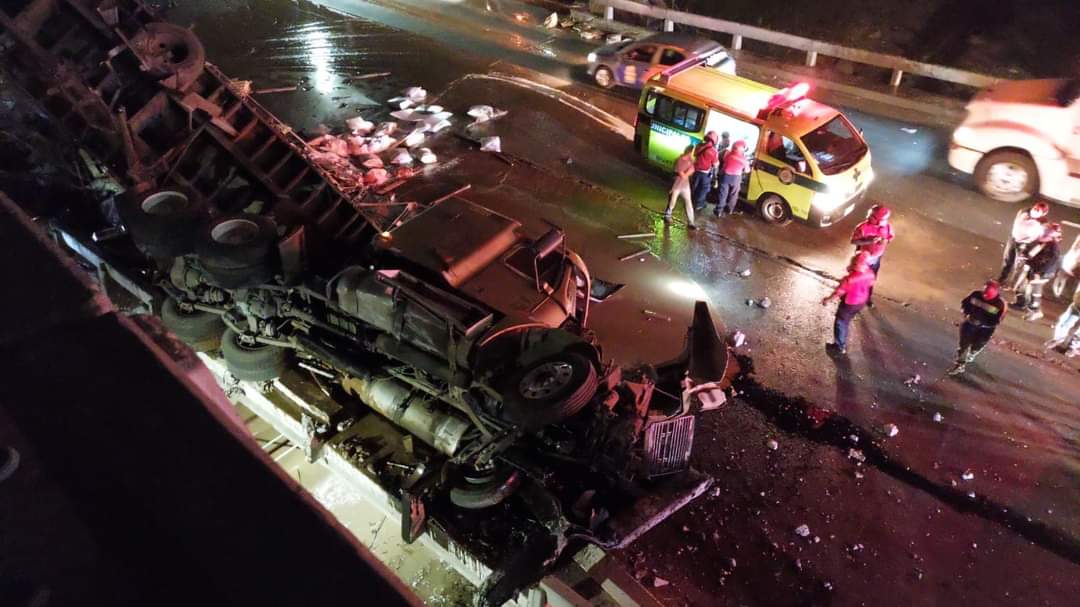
point(368, 155)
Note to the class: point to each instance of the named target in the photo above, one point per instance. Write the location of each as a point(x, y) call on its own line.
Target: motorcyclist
point(1044, 258)
point(1026, 229)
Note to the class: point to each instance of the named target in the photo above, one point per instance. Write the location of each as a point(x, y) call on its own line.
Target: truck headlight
point(591, 58)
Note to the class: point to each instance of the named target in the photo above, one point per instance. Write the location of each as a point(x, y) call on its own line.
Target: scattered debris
point(552, 21)
point(773, 446)
point(909, 131)
point(659, 582)
point(374, 75)
point(765, 303)
point(637, 235)
point(613, 38)
point(414, 138)
point(738, 338)
point(484, 113)
point(890, 430)
point(359, 126)
point(802, 531)
point(278, 89)
point(859, 475)
point(638, 253)
point(416, 94)
point(491, 144)
point(652, 314)
point(402, 158)
point(745, 273)
point(912, 381)
point(971, 494)
point(427, 156)
point(856, 455)
point(938, 417)
point(968, 475)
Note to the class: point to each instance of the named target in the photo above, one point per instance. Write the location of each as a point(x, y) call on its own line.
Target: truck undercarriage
point(445, 352)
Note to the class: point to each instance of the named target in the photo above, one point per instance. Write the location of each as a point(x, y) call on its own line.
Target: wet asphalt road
point(902, 521)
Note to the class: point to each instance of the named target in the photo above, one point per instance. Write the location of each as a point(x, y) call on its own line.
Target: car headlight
point(962, 135)
point(591, 58)
point(827, 201)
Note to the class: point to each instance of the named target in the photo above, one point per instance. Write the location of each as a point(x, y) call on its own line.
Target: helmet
point(1039, 209)
point(712, 137)
point(879, 213)
point(991, 289)
point(739, 145)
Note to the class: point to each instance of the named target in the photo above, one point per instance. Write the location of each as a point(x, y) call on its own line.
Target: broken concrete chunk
point(372, 162)
point(938, 417)
point(856, 455)
point(376, 177)
point(402, 157)
point(968, 475)
point(359, 126)
point(745, 273)
point(414, 138)
point(914, 380)
point(386, 128)
point(802, 531)
point(357, 145)
point(485, 113)
point(765, 303)
point(738, 338)
point(415, 94)
point(890, 430)
point(379, 144)
point(427, 156)
point(407, 115)
point(613, 38)
point(552, 21)
point(401, 103)
point(772, 444)
point(491, 144)
point(659, 582)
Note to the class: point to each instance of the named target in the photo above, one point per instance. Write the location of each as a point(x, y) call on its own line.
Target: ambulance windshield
point(835, 146)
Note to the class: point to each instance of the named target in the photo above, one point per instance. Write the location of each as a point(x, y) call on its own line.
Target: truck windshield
point(834, 145)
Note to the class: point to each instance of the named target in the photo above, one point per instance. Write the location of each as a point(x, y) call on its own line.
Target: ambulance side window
point(650, 103)
point(676, 113)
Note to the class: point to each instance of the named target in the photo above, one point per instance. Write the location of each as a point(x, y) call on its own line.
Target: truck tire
point(238, 251)
point(200, 330)
point(172, 54)
point(1007, 176)
point(163, 223)
point(548, 390)
point(774, 209)
point(256, 363)
point(479, 492)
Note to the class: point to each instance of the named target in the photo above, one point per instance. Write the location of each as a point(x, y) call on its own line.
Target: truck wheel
point(604, 77)
point(1007, 176)
point(163, 224)
point(238, 251)
point(198, 329)
point(475, 492)
point(172, 54)
point(549, 390)
point(774, 209)
point(248, 362)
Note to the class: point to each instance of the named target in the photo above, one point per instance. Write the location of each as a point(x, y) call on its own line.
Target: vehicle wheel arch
point(770, 198)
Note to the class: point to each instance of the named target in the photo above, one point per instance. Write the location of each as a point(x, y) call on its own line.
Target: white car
point(1021, 139)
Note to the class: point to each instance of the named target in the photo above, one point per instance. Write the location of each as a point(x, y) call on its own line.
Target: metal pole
point(894, 80)
point(736, 42)
point(811, 58)
point(609, 13)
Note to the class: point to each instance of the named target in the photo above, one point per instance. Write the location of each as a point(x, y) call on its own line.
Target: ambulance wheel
point(604, 77)
point(774, 209)
point(1007, 176)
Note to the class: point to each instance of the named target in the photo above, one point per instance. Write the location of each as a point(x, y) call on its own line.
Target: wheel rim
point(774, 210)
point(603, 77)
point(545, 380)
point(252, 347)
point(235, 231)
point(164, 203)
point(1006, 179)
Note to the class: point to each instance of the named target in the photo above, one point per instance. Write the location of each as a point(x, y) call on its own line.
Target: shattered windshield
point(835, 145)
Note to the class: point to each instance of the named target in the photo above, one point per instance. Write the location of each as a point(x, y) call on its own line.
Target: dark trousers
point(1008, 260)
point(875, 266)
point(700, 185)
point(729, 193)
point(973, 339)
point(844, 314)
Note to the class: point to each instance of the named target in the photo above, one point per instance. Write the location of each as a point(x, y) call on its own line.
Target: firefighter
point(706, 159)
point(1044, 258)
point(680, 186)
point(1026, 229)
point(983, 312)
point(733, 166)
point(853, 291)
point(872, 236)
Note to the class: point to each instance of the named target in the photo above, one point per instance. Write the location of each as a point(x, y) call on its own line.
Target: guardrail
point(812, 48)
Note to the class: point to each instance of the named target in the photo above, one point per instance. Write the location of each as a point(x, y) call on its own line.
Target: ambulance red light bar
point(785, 97)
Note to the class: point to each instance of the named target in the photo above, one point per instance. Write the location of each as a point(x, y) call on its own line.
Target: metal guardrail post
point(736, 42)
point(811, 58)
point(609, 12)
point(894, 79)
point(669, 25)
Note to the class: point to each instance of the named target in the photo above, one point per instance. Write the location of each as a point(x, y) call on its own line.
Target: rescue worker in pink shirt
point(1026, 229)
point(732, 168)
point(706, 159)
point(873, 236)
point(853, 292)
point(684, 169)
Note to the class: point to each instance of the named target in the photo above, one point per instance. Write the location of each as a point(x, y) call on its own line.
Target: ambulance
point(808, 161)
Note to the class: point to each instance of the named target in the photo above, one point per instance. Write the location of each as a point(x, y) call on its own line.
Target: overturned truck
point(443, 317)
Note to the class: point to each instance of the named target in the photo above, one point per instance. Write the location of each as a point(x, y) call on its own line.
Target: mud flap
point(413, 517)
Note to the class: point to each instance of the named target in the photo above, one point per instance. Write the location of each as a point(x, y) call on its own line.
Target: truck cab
point(1021, 139)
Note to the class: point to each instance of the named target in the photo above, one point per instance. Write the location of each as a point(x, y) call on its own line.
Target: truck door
point(636, 64)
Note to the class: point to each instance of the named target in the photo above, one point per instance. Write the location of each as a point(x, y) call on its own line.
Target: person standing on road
point(1026, 229)
point(853, 292)
point(733, 166)
point(706, 159)
point(872, 236)
point(684, 169)
point(1044, 258)
point(983, 312)
point(1065, 325)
